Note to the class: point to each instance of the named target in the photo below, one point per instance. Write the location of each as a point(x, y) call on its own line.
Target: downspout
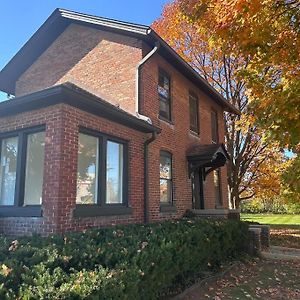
point(146, 176)
point(148, 120)
point(138, 83)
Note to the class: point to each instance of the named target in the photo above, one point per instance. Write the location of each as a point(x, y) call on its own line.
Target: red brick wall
point(100, 61)
point(176, 137)
point(105, 63)
point(60, 170)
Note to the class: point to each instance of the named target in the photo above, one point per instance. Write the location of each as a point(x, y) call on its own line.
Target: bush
point(274, 206)
point(124, 262)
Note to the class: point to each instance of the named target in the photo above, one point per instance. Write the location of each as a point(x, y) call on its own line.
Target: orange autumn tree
point(267, 35)
point(244, 141)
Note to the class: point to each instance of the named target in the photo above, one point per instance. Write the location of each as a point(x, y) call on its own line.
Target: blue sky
point(20, 19)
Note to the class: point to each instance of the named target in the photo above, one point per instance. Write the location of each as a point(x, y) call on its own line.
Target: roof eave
point(72, 95)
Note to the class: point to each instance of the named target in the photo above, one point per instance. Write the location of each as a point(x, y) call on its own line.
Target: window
point(22, 168)
point(87, 171)
point(34, 168)
point(101, 170)
point(217, 185)
point(214, 127)
point(8, 171)
point(164, 95)
point(114, 173)
point(166, 185)
point(193, 104)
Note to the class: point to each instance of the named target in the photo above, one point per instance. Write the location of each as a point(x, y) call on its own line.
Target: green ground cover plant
point(124, 262)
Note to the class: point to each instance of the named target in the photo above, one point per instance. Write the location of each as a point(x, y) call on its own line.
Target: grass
point(285, 229)
point(272, 219)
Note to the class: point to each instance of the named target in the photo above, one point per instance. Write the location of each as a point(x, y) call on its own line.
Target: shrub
point(274, 206)
point(124, 262)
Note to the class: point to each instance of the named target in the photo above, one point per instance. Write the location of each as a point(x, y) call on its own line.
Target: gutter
point(138, 83)
point(146, 176)
point(148, 120)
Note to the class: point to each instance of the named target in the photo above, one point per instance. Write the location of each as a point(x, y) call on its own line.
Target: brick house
point(108, 126)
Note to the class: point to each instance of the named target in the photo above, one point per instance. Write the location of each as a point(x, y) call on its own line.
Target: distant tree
point(267, 35)
point(244, 141)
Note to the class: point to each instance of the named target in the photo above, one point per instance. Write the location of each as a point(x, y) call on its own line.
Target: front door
point(197, 189)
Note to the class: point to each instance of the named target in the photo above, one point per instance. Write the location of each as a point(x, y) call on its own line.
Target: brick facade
point(102, 62)
point(105, 63)
point(60, 170)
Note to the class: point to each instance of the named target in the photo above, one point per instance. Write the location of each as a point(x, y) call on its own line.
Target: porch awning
point(209, 157)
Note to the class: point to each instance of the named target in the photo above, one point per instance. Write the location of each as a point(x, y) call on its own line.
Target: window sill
point(194, 134)
point(165, 120)
point(168, 208)
point(95, 210)
point(27, 211)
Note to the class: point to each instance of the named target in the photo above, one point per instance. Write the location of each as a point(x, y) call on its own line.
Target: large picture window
point(34, 168)
point(22, 168)
point(87, 170)
point(101, 170)
point(8, 171)
point(164, 95)
point(166, 184)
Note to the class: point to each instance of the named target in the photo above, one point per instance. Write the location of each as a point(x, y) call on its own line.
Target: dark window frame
point(163, 98)
point(167, 206)
point(214, 134)
point(193, 96)
point(101, 207)
point(18, 210)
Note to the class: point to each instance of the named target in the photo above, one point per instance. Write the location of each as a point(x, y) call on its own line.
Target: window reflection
point(87, 169)
point(34, 169)
point(114, 173)
point(9, 153)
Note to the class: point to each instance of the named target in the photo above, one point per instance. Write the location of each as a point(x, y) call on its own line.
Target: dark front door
point(197, 188)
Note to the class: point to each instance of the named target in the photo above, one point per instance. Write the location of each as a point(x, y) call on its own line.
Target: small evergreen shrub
point(124, 262)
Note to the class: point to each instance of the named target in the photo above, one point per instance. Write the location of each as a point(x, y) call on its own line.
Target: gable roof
point(61, 18)
point(75, 96)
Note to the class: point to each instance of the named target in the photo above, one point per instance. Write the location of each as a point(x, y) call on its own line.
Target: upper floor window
point(166, 183)
point(101, 169)
point(214, 127)
point(164, 95)
point(194, 117)
point(22, 168)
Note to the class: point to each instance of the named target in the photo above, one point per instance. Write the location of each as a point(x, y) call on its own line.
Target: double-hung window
point(194, 118)
point(21, 171)
point(166, 182)
point(164, 95)
point(101, 172)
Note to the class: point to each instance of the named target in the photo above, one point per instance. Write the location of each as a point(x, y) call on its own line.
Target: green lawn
point(285, 229)
point(272, 219)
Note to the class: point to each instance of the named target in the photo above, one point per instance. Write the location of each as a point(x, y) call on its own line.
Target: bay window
point(101, 173)
point(21, 171)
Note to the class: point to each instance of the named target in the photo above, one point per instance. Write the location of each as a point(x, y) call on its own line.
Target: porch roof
point(78, 97)
point(210, 156)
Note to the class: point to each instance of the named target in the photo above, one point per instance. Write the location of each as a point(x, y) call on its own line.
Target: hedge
point(124, 262)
